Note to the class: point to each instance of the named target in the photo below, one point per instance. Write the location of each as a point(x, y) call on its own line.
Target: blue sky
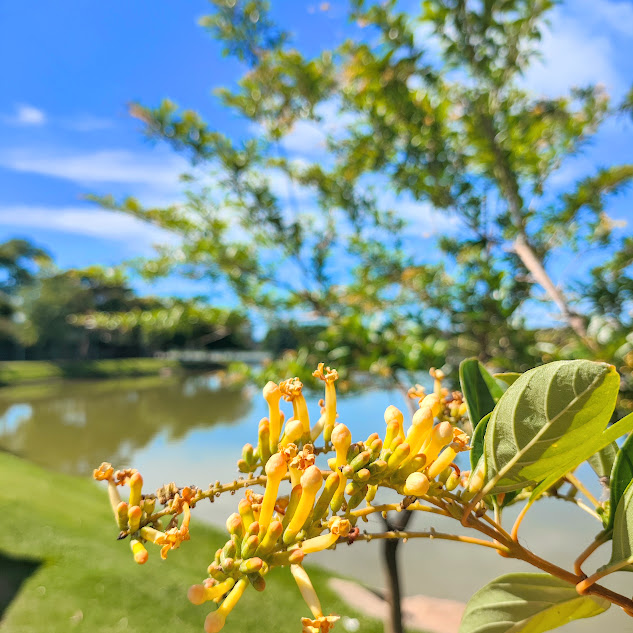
point(68, 71)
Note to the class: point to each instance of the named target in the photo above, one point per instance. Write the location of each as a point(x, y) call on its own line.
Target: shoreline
point(14, 373)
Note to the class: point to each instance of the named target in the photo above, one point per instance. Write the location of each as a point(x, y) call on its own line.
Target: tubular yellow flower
point(341, 439)
point(292, 391)
point(417, 484)
point(329, 377)
point(199, 594)
point(398, 456)
point(293, 502)
point(139, 551)
point(276, 468)
point(477, 477)
point(307, 590)
point(432, 401)
point(419, 431)
point(441, 436)
point(215, 620)
point(394, 415)
point(275, 530)
point(292, 432)
point(323, 503)
point(445, 459)
point(272, 395)
point(115, 498)
point(317, 429)
point(311, 482)
point(136, 486)
point(245, 509)
point(322, 624)
point(263, 440)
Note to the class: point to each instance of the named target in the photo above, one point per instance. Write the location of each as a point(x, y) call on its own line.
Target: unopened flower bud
point(245, 509)
point(134, 517)
point(417, 484)
point(259, 584)
point(139, 551)
point(263, 440)
point(121, 515)
point(274, 532)
point(136, 485)
point(234, 525)
point(251, 566)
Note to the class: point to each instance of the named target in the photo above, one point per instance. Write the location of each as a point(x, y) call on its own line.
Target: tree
point(460, 133)
point(20, 262)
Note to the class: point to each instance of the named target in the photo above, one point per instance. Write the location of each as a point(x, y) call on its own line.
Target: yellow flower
point(322, 624)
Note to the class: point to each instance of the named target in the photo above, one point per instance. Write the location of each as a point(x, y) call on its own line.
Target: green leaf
point(527, 603)
point(509, 377)
point(621, 477)
point(545, 421)
point(477, 441)
point(584, 450)
point(602, 461)
point(480, 389)
point(622, 551)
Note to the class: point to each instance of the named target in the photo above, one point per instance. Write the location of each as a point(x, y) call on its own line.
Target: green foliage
point(602, 461)
point(455, 130)
point(621, 477)
point(527, 602)
point(477, 440)
point(545, 420)
point(622, 551)
point(479, 388)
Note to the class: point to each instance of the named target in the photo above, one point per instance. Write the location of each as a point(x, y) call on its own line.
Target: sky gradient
point(69, 70)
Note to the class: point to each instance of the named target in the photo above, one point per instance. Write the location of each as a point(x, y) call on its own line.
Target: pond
point(191, 430)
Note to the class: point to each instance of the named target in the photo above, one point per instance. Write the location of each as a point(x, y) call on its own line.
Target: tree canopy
point(427, 113)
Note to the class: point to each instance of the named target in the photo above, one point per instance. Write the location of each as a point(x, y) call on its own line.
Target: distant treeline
point(48, 314)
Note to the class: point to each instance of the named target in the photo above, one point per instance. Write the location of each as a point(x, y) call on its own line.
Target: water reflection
point(73, 426)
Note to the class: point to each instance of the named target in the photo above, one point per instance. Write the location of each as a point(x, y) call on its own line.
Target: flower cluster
point(319, 507)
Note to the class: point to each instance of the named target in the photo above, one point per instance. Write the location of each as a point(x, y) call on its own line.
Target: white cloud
point(86, 221)
point(156, 169)
point(574, 54)
point(26, 115)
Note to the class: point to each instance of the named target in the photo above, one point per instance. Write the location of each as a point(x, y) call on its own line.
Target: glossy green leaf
point(621, 477)
point(480, 389)
point(477, 440)
point(602, 461)
point(584, 450)
point(622, 551)
point(509, 377)
point(546, 420)
point(527, 603)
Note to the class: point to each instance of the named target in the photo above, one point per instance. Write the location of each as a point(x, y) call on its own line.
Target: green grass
point(16, 372)
point(75, 575)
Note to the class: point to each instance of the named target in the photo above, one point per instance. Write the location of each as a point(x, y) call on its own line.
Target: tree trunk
point(525, 253)
point(394, 623)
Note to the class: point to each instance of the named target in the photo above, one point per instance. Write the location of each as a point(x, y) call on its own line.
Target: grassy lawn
point(58, 548)
point(16, 372)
